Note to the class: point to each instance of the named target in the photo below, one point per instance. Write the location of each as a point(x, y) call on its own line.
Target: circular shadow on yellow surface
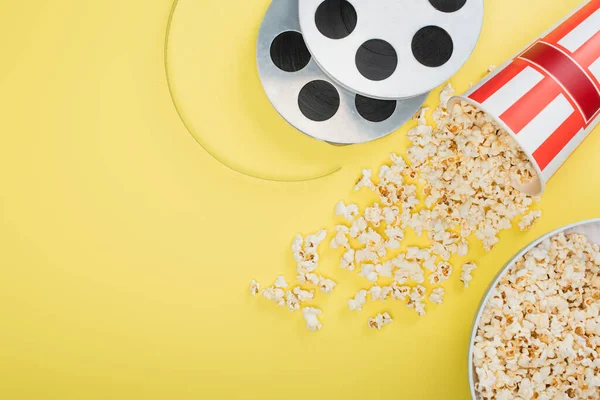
point(212, 75)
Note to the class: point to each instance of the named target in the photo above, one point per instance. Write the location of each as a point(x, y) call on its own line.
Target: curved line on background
point(185, 124)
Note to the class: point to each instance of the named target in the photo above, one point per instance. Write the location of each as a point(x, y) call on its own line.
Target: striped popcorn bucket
point(548, 96)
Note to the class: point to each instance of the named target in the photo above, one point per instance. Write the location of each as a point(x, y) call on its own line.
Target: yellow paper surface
point(126, 250)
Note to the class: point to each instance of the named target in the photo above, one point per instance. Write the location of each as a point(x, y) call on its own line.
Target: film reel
point(391, 49)
point(309, 99)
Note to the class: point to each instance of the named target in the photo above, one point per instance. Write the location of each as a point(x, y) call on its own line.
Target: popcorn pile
point(539, 334)
point(455, 183)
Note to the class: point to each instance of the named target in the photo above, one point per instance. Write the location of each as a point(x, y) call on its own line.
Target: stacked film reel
point(352, 71)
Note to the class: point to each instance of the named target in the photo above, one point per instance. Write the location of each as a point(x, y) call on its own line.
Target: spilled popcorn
point(305, 252)
point(437, 296)
point(453, 186)
point(529, 219)
point(254, 287)
point(465, 276)
point(380, 321)
point(311, 317)
point(539, 333)
point(326, 285)
point(307, 259)
point(281, 283)
point(359, 300)
point(274, 294)
point(303, 295)
point(349, 212)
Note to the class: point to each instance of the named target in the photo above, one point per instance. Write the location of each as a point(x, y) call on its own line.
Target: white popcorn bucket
point(589, 228)
point(548, 96)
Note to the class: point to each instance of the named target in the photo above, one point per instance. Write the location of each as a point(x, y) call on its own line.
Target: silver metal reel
point(391, 49)
point(307, 98)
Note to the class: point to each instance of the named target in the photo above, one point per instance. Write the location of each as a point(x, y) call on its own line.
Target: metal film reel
point(309, 99)
point(391, 49)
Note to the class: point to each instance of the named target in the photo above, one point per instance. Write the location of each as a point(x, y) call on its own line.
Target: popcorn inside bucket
point(538, 334)
point(547, 97)
point(525, 176)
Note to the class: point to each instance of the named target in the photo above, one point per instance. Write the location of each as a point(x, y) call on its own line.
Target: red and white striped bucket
point(548, 96)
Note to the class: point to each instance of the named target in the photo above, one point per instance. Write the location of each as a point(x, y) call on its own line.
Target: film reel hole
point(376, 60)
point(432, 46)
point(336, 19)
point(289, 52)
point(448, 6)
point(319, 100)
point(374, 110)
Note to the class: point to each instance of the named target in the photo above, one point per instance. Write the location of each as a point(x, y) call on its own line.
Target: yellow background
point(126, 250)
